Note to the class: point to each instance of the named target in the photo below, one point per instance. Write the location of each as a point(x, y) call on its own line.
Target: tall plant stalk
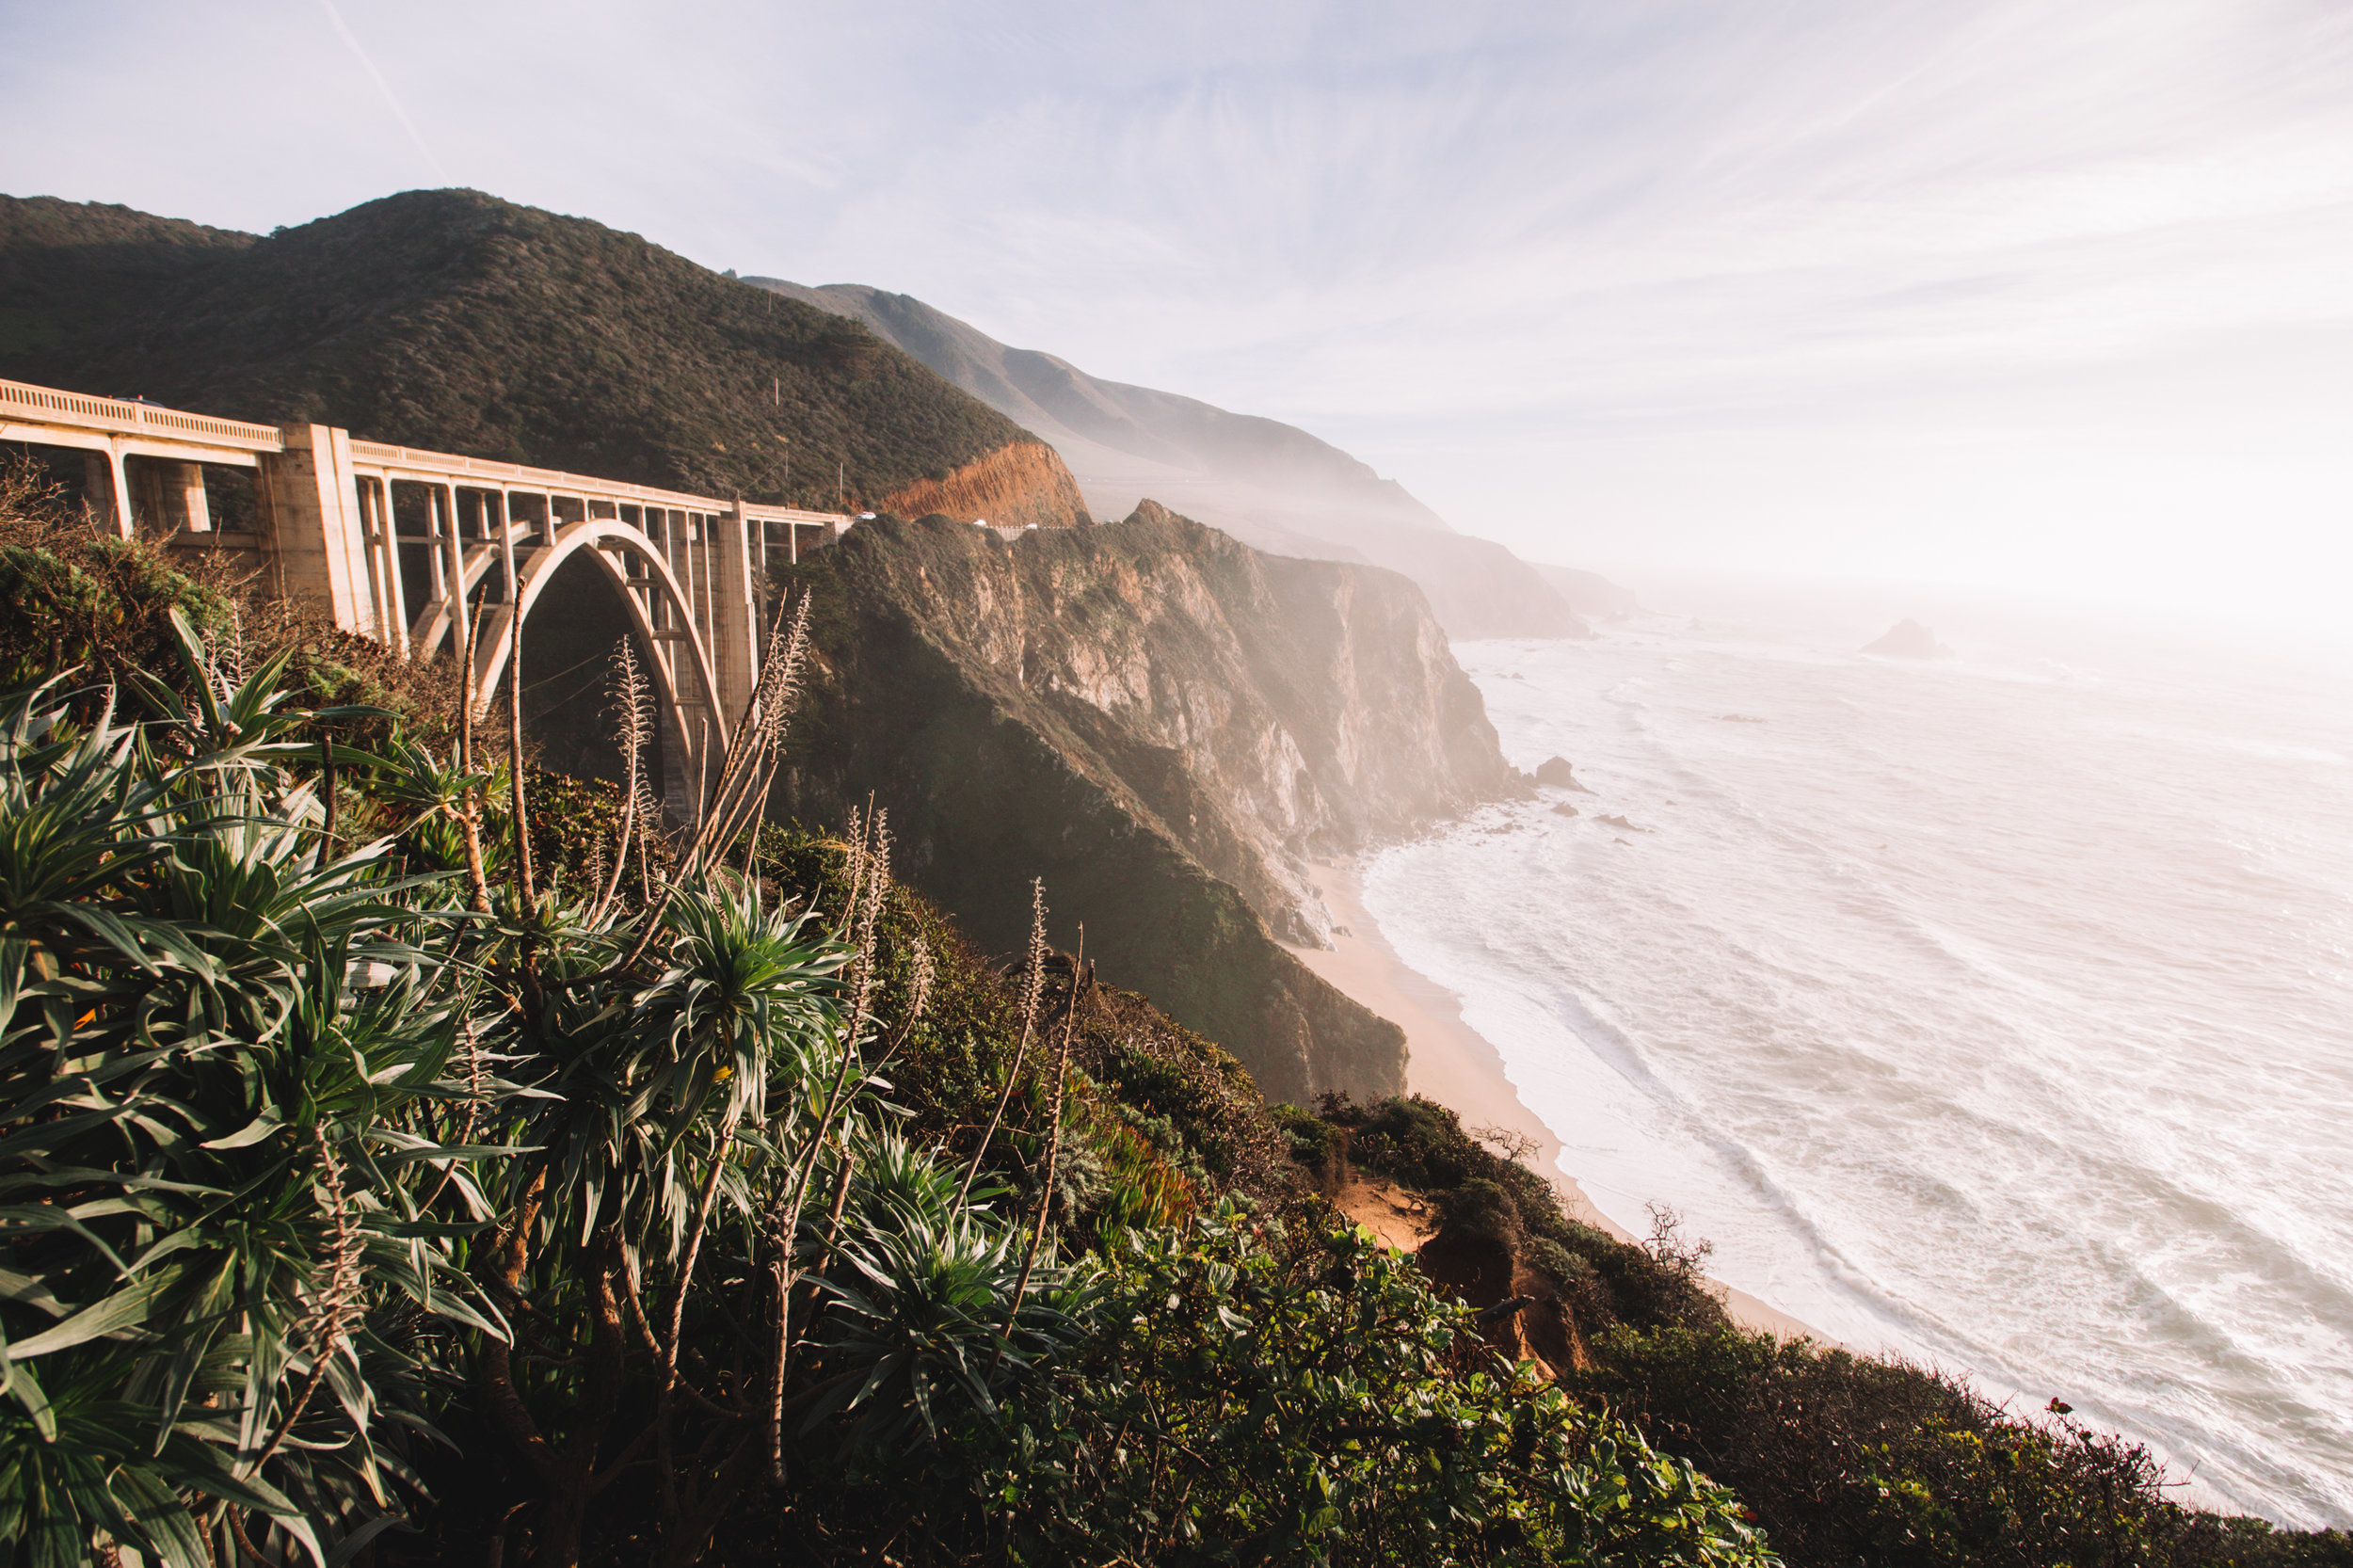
point(1030, 991)
point(757, 737)
point(1081, 980)
point(470, 811)
point(869, 887)
point(632, 712)
point(525, 881)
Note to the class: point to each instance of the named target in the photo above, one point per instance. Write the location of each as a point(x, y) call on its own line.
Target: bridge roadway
point(412, 548)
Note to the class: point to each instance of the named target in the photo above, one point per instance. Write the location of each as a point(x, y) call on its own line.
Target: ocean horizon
point(1995, 1012)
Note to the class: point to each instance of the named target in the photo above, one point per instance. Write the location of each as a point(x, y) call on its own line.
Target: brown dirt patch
point(1398, 1218)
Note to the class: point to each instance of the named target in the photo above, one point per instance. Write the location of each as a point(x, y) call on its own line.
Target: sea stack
point(1909, 639)
point(1555, 772)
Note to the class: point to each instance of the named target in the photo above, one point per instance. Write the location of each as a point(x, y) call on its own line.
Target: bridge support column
point(183, 485)
point(319, 541)
point(103, 487)
point(372, 505)
point(686, 775)
point(449, 560)
point(734, 630)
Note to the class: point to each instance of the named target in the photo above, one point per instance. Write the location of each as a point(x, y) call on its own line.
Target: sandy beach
point(1449, 1061)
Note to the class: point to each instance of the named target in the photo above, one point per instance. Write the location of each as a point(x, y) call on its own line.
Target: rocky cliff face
point(1021, 483)
point(1159, 722)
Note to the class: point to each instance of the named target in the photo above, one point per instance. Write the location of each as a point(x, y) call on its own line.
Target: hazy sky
point(2056, 295)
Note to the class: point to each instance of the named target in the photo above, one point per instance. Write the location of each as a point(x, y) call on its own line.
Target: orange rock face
point(1024, 482)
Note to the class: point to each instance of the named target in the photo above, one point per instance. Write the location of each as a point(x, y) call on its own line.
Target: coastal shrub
point(1845, 1460)
point(225, 1065)
point(1313, 1142)
point(79, 597)
point(1851, 1459)
point(1258, 1395)
point(1165, 1118)
point(1422, 1145)
point(320, 1179)
point(348, 1216)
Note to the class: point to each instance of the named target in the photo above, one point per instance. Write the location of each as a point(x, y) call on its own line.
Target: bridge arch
point(695, 724)
point(610, 538)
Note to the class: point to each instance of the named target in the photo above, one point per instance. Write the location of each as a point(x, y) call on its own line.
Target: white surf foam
point(1996, 1012)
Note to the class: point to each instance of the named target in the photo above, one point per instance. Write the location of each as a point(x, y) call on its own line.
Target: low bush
point(1259, 1394)
point(1845, 1460)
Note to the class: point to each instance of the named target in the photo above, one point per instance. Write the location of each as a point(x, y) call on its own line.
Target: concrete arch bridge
point(427, 551)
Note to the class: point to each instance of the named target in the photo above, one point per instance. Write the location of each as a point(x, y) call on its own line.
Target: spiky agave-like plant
point(223, 1082)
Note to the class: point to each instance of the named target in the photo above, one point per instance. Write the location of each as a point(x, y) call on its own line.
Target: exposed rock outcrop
point(1024, 482)
point(1557, 771)
point(1161, 722)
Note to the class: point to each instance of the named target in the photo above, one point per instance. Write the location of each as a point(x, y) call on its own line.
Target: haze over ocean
point(1996, 1012)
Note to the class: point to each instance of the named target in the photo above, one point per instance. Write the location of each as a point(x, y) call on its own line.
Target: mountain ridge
point(452, 320)
point(1274, 486)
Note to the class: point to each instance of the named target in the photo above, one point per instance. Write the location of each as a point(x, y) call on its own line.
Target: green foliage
point(78, 598)
point(223, 1052)
point(100, 601)
point(1248, 1398)
point(293, 1146)
point(1312, 1141)
point(1161, 1116)
point(338, 1213)
point(301, 1149)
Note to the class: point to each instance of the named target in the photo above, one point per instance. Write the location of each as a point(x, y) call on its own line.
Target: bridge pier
point(318, 540)
point(171, 495)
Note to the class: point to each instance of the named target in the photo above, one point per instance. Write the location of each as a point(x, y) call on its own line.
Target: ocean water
point(1996, 1012)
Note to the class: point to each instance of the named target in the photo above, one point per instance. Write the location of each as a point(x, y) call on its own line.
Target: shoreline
point(1450, 1062)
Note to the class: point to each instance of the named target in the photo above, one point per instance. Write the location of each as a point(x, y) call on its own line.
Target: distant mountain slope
point(1268, 484)
point(452, 320)
point(1591, 594)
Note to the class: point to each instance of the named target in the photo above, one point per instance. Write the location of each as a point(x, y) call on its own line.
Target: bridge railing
point(22, 403)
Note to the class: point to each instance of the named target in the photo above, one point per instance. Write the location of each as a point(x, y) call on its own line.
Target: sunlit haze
point(2052, 297)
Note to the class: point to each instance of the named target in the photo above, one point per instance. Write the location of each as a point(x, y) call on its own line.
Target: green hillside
point(453, 320)
point(68, 269)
